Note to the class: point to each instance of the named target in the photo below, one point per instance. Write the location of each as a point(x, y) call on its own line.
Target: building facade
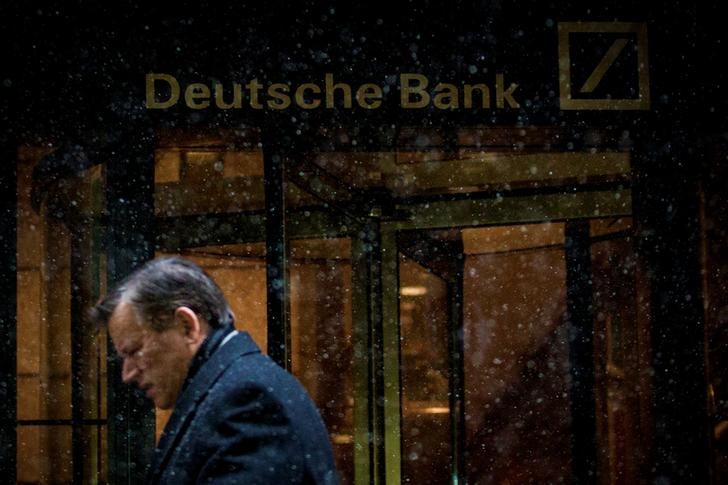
point(488, 239)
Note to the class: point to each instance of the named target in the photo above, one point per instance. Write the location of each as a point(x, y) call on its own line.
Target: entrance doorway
point(520, 353)
point(458, 316)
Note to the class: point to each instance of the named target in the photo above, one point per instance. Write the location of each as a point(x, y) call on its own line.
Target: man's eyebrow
point(123, 350)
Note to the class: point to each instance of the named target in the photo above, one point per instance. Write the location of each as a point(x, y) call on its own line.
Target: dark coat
point(242, 419)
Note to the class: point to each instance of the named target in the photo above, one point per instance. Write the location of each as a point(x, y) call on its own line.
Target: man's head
point(158, 318)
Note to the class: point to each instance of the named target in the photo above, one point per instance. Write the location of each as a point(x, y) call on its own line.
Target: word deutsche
point(413, 94)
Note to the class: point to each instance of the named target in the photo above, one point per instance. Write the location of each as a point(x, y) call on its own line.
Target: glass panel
point(60, 273)
point(102, 373)
point(44, 455)
point(321, 337)
point(516, 355)
point(44, 321)
point(90, 342)
point(426, 433)
point(621, 346)
point(208, 172)
point(95, 451)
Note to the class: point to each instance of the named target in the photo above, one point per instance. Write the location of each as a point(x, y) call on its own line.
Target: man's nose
point(129, 371)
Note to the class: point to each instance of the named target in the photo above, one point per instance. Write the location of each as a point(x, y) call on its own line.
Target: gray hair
point(159, 287)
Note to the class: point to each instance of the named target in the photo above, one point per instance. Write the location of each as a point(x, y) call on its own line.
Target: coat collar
point(195, 391)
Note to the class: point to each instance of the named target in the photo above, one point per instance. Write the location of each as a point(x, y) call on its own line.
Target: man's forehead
point(123, 321)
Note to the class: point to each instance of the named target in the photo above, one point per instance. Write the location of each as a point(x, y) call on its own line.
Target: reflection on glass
point(426, 435)
point(44, 454)
point(321, 337)
point(516, 355)
point(208, 173)
point(60, 358)
point(620, 346)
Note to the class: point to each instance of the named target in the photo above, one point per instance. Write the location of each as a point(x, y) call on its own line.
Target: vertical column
point(130, 242)
point(373, 464)
point(84, 387)
point(667, 210)
point(79, 282)
point(581, 351)
point(361, 280)
point(456, 346)
point(669, 157)
point(276, 252)
point(390, 351)
point(8, 288)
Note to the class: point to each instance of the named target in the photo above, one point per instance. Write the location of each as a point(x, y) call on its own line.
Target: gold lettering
point(254, 86)
point(468, 95)
point(507, 95)
point(407, 88)
point(237, 97)
point(280, 100)
point(195, 92)
point(331, 87)
point(369, 96)
point(151, 101)
point(446, 96)
point(300, 96)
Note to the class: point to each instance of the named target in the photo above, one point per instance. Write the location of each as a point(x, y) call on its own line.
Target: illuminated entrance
point(472, 315)
point(488, 285)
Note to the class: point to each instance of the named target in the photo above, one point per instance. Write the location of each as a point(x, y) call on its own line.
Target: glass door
point(472, 283)
point(519, 350)
point(62, 365)
point(430, 333)
point(516, 365)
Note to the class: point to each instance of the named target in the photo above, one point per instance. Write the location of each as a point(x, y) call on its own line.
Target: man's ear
point(194, 328)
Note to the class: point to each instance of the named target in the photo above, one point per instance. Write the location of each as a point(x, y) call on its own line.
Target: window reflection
point(621, 346)
point(426, 430)
point(517, 364)
point(516, 355)
point(321, 337)
point(61, 369)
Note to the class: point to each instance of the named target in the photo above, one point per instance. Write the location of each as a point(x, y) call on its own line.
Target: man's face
point(156, 362)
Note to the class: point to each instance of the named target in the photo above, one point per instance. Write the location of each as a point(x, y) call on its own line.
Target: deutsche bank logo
point(603, 66)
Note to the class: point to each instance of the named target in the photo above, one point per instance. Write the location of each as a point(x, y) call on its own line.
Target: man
point(238, 417)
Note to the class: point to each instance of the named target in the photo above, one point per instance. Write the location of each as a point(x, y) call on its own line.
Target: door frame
point(446, 214)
